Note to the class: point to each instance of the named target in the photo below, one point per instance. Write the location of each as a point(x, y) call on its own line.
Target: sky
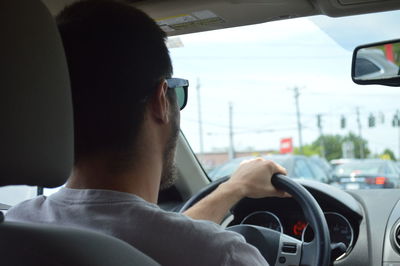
point(256, 68)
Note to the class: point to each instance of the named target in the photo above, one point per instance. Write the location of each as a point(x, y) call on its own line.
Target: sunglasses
point(181, 90)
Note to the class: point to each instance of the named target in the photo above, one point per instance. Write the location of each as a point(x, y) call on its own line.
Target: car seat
point(37, 141)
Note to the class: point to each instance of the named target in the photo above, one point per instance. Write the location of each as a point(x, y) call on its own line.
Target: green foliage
point(308, 150)
point(357, 143)
point(388, 153)
point(333, 146)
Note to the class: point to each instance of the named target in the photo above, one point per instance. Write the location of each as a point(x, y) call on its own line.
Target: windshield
point(285, 87)
point(282, 87)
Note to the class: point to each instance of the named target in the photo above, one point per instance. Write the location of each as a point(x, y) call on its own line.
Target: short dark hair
point(116, 56)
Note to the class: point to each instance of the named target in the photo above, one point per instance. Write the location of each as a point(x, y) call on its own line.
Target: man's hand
point(252, 179)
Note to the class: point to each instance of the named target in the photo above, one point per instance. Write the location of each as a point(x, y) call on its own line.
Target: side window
point(301, 170)
point(12, 195)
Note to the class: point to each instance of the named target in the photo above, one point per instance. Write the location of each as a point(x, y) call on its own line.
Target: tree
point(357, 144)
point(388, 153)
point(308, 150)
point(332, 144)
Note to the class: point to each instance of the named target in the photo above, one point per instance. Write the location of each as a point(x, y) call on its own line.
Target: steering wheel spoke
point(290, 251)
point(308, 254)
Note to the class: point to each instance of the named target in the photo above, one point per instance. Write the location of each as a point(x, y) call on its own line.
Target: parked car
point(298, 166)
point(367, 174)
point(337, 162)
point(324, 164)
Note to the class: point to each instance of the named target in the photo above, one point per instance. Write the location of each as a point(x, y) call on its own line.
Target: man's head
point(117, 59)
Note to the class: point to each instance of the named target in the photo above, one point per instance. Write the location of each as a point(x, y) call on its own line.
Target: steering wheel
point(279, 248)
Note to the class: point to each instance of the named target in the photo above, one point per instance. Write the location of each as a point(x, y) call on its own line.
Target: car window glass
point(301, 170)
point(11, 195)
point(391, 168)
point(318, 172)
point(397, 168)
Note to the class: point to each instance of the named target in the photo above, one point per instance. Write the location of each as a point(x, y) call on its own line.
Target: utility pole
point(198, 85)
point(231, 146)
point(296, 97)
point(321, 136)
point(359, 133)
point(396, 123)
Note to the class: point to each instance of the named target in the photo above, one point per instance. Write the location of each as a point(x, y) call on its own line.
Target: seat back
point(30, 245)
point(36, 136)
point(36, 140)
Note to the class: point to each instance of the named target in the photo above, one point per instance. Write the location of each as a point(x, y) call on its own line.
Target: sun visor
point(337, 8)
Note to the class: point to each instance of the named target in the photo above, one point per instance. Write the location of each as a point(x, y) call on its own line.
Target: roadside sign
point(286, 145)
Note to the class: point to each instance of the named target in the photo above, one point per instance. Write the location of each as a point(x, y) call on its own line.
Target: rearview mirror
point(377, 63)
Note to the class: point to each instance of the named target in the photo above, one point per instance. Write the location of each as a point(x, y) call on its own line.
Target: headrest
point(36, 135)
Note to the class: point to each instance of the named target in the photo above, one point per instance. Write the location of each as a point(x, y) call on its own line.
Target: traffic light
point(342, 122)
point(371, 120)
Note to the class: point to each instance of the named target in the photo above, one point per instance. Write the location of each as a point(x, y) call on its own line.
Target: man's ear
point(160, 106)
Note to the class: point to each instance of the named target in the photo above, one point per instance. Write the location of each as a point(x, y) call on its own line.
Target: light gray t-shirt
point(169, 238)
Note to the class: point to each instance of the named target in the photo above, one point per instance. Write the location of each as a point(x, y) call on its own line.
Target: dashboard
point(363, 224)
point(369, 223)
point(341, 231)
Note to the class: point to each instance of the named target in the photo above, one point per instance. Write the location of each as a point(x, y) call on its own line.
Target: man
point(126, 112)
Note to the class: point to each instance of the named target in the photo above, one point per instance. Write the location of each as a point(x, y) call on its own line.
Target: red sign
point(286, 145)
point(389, 52)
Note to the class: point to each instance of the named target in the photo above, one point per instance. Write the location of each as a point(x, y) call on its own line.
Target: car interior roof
point(232, 13)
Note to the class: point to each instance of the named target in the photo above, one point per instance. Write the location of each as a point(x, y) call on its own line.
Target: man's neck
point(139, 179)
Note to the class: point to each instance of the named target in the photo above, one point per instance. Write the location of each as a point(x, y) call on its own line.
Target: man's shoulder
point(24, 208)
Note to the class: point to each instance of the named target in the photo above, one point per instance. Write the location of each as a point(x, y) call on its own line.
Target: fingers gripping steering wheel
point(279, 248)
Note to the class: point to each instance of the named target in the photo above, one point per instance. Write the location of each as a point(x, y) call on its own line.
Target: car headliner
point(245, 12)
